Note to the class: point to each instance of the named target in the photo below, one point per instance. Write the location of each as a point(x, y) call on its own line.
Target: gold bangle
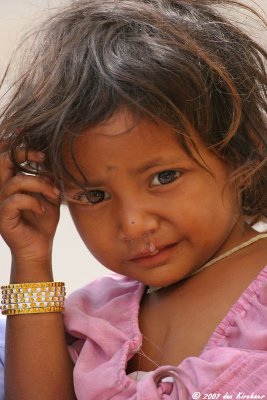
point(33, 310)
point(32, 285)
point(47, 289)
point(36, 297)
point(35, 288)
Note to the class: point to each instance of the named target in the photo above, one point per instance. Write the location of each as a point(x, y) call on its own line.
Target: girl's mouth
point(159, 255)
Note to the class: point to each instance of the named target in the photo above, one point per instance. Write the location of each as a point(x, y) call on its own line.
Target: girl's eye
point(165, 177)
point(91, 196)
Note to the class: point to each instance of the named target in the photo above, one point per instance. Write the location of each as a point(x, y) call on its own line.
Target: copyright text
point(228, 396)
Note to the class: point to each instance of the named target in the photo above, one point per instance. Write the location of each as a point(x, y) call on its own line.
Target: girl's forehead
point(123, 124)
point(123, 132)
point(123, 128)
point(122, 121)
point(125, 139)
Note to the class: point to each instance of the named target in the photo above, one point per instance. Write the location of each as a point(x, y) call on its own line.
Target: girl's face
point(150, 212)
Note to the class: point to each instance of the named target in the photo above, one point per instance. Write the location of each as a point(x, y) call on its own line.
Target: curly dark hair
point(180, 61)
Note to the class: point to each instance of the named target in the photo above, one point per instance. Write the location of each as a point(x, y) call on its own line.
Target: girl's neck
point(228, 253)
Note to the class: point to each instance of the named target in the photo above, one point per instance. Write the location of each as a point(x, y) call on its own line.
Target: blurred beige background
point(72, 261)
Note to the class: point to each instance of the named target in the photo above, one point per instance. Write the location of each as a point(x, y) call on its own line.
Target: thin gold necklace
point(230, 252)
point(222, 256)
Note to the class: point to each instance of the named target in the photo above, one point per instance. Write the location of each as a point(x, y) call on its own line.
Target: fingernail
point(56, 191)
point(41, 155)
point(43, 209)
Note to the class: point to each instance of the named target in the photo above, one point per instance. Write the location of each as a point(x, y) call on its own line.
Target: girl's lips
point(158, 257)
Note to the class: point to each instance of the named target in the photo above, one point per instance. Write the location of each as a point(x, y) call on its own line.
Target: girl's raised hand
point(29, 210)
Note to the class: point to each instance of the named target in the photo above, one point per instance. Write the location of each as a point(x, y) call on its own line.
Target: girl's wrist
point(27, 271)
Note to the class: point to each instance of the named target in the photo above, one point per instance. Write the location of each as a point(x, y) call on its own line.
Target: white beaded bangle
point(32, 299)
point(32, 294)
point(18, 292)
point(32, 305)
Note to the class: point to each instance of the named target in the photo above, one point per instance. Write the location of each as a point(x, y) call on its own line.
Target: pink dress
point(103, 316)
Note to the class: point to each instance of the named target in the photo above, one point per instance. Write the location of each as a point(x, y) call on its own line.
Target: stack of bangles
point(33, 298)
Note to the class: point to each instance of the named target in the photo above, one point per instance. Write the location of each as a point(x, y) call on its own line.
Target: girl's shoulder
point(106, 302)
point(244, 325)
point(101, 291)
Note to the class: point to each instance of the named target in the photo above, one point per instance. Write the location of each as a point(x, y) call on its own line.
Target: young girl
point(148, 119)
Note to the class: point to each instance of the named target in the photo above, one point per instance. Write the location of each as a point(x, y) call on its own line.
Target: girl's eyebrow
point(152, 163)
point(157, 162)
point(90, 183)
point(73, 186)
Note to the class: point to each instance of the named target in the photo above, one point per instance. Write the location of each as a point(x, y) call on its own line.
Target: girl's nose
point(137, 220)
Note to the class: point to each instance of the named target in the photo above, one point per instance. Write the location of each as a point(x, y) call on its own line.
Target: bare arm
point(37, 363)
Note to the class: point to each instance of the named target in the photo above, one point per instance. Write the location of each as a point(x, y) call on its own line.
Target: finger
point(7, 167)
point(23, 155)
point(11, 209)
point(22, 183)
point(54, 202)
point(3, 146)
